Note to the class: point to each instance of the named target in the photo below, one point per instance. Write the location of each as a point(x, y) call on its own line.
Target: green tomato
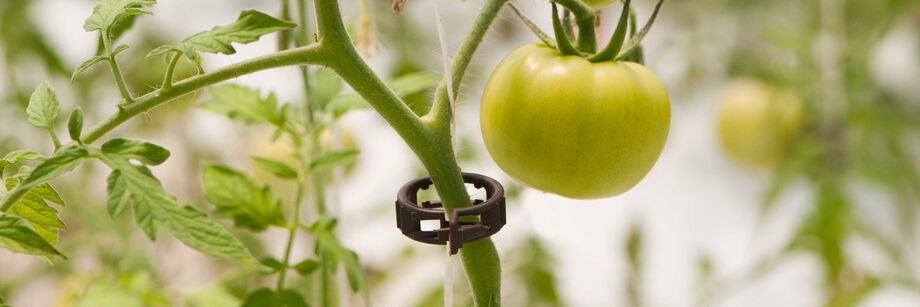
point(599, 4)
point(758, 123)
point(564, 125)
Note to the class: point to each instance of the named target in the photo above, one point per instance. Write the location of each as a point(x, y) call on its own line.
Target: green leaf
point(141, 151)
point(87, 64)
point(46, 192)
point(273, 263)
point(16, 235)
point(328, 244)
point(118, 194)
point(344, 103)
point(331, 159)
point(306, 267)
point(266, 297)
point(43, 107)
point(214, 296)
point(276, 167)
point(242, 103)
point(154, 207)
point(107, 12)
point(61, 162)
point(249, 26)
point(14, 157)
point(236, 195)
point(40, 215)
point(162, 50)
point(75, 124)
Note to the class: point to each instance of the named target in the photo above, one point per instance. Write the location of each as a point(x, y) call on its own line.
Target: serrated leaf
point(75, 124)
point(249, 26)
point(61, 162)
point(141, 151)
point(276, 167)
point(236, 195)
point(162, 50)
point(243, 103)
point(107, 12)
point(16, 235)
point(14, 157)
point(118, 195)
point(306, 267)
point(40, 215)
point(43, 107)
point(154, 207)
point(331, 159)
point(87, 64)
point(46, 192)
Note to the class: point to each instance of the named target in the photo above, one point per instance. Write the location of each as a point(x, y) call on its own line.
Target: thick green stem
point(584, 19)
point(116, 72)
point(54, 138)
point(312, 54)
point(432, 146)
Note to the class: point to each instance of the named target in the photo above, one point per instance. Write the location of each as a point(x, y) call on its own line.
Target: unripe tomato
point(757, 123)
point(564, 125)
point(598, 4)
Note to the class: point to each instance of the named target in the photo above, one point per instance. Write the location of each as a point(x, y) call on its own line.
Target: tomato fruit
point(564, 125)
point(758, 123)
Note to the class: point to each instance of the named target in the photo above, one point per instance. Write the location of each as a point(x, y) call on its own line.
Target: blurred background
point(829, 220)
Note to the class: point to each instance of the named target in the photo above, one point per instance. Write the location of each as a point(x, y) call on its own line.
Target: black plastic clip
point(491, 213)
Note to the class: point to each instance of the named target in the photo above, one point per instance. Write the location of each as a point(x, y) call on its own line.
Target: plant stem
point(431, 145)
point(312, 54)
point(292, 230)
point(54, 138)
point(168, 80)
point(116, 72)
point(584, 18)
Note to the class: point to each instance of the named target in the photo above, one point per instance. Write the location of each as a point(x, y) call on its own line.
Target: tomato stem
point(636, 39)
point(533, 28)
point(562, 40)
point(616, 41)
point(584, 19)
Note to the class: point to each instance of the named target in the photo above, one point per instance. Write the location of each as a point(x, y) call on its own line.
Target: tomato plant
point(757, 123)
point(581, 126)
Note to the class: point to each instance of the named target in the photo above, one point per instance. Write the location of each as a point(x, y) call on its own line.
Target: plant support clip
point(490, 213)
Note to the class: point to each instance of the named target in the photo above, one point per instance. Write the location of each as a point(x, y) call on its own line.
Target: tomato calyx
point(618, 48)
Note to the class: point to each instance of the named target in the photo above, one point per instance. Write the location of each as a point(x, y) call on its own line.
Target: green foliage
point(276, 167)
point(267, 297)
point(16, 235)
point(329, 247)
point(17, 156)
point(249, 26)
point(331, 159)
point(535, 272)
point(43, 107)
point(242, 103)
point(61, 162)
point(126, 290)
point(108, 12)
point(154, 207)
point(75, 124)
point(40, 215)
point(236, 195)
point(141, 151)
point(272, 263)
point(306, 267)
